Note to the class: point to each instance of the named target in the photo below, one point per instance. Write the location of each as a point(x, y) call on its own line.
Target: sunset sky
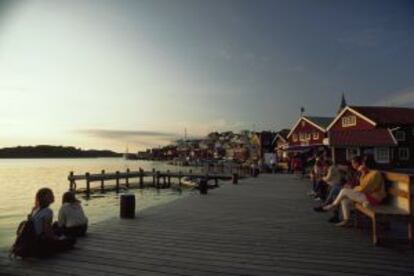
point(107, 74)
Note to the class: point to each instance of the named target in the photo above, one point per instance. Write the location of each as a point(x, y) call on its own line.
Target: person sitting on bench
point(370, 191)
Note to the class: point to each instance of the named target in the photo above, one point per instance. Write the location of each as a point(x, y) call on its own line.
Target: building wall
point(360, 123)
point(306, 128)
point(407, 143)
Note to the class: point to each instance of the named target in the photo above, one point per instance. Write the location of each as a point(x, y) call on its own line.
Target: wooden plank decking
point(263, 226)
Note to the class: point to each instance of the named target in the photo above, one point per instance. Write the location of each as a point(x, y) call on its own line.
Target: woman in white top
point(72, 219)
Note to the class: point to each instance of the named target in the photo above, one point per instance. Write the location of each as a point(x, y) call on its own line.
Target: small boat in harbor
point(190, 182)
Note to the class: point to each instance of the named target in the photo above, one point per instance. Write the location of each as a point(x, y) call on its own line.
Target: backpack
point(25, 243)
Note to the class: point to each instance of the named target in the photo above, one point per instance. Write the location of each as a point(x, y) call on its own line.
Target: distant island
point(48, 151)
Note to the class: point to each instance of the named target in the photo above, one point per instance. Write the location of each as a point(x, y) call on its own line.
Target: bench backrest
point(399, 187)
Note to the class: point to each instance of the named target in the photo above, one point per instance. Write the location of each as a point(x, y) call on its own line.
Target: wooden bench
point(397, 206)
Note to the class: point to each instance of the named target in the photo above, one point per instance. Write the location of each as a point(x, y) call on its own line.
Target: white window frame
point(350, 155)
point(400, 135)
point(382, 157)
point(308, 136)
point(349, 121)
point(405, 156)
point(301, 136)
point(295, 137)
point(315, 135)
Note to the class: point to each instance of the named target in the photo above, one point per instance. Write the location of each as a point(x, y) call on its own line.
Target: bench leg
point(374, 231)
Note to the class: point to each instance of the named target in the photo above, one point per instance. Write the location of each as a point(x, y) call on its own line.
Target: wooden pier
point(136, 179)
point(263, 226)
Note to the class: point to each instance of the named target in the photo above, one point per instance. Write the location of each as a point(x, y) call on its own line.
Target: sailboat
point(130, 156)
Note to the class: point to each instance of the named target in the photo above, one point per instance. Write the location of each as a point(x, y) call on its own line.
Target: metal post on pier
point(153, 177)
point(168, 178)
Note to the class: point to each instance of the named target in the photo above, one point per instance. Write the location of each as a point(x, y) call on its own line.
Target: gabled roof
point(376, 137)
point(319, 122)
point(383, 115)
point(282, 135)
point(380, 115)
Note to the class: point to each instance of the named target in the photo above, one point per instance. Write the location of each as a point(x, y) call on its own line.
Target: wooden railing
point(128, 176)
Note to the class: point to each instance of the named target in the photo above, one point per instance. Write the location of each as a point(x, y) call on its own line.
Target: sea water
point(21, 178)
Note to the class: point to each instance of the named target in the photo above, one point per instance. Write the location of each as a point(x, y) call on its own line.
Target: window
point(404, 153)
point(295, 137)
point(349, 121)
point(315, 135)
point(400, 135)
point(351, 153)
point(308, 136)
point(301, 137)
point(382, 155)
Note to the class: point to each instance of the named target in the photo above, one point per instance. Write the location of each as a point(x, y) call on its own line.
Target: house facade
point(384, 133)
point(280, 143)
point(261, 144)
point(308, 134)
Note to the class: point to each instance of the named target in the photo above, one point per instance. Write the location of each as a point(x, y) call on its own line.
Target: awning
point(378, 137)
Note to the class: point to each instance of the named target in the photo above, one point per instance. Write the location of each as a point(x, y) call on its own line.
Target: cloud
point(198, 130)
point(127, 134)
point(402, 99)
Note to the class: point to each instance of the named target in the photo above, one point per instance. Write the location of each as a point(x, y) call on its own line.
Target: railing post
point(127, 178)
point(117, 182)
point(88, 185)
point(71, 182)
point(235, 178)
point(141, 178)
point(179, 178)
point(158, 179)
point(153, 177)
point(103, 181)
point(168, 179)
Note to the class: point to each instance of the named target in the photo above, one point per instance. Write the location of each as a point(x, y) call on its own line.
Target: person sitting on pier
point(47, 242)
point(72, 221)
point(370, 191)
point(316, 175)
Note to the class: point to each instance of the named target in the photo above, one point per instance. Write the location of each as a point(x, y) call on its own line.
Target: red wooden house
point(280, 143)
point(385, 133)
point(308, 134)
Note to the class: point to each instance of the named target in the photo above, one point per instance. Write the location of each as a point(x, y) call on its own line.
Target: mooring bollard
point(235, 178)
point(202, 186)
point(127, 206)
